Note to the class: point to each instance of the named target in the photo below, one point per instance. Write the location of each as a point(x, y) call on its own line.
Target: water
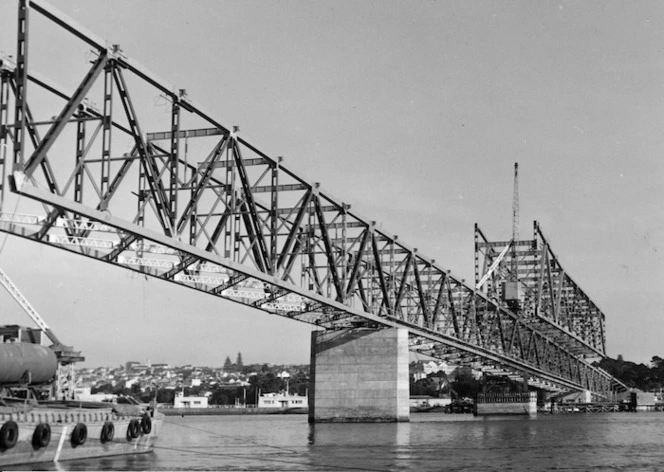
point(583, 442)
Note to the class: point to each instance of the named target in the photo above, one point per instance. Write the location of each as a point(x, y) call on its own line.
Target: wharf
point(231, 411)
point(601, 407)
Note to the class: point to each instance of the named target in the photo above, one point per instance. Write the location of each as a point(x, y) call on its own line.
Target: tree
point(227, 396)
point(165, 396)
point(635, 375)
point(238, 362)
point(102, 388)
point(264, 383)
point(465, 385)
point(426, 386)
point(228, 364)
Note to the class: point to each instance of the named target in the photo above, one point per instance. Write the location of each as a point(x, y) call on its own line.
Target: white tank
point(20, 362)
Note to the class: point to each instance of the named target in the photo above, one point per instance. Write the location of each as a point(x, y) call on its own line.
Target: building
point(180, 401)
point(282, 400)
point(426, 401)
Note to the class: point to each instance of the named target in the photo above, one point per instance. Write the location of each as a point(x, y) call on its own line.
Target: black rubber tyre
point(146, 424)
point(8, 435)
point(42, 435)
point(133, 429)
point(107, 432)
point(79, 435)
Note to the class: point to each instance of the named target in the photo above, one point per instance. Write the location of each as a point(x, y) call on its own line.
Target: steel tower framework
point(551, 302)
point(192, 202)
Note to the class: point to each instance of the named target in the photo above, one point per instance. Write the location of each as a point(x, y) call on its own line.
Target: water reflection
point(430, 442)
point(347, 445)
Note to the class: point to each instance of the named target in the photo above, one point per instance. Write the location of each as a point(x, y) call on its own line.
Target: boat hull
point(63, 444)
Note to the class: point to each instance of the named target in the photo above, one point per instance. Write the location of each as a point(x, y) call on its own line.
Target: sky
point(414, 112)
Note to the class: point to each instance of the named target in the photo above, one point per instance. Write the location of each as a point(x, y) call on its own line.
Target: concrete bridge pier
point(359, 376)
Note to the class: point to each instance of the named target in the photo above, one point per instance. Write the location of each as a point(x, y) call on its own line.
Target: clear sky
point(413, 112)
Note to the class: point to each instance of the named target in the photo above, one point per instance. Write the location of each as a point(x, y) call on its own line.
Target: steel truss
point(551, 302)
point(193, 203)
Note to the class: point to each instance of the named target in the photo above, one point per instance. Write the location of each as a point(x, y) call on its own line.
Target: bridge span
point(195, 204)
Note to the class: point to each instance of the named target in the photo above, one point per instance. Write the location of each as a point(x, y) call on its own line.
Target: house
point(282, 400)
point(180, 401)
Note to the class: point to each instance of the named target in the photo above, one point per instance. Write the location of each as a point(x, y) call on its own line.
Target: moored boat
point(54, 433)
point(41, 422)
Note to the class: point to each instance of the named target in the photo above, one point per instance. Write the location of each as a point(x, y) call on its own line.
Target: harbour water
point(430, 442)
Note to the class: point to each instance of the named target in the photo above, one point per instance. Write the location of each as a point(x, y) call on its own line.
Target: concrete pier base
point(359, 376)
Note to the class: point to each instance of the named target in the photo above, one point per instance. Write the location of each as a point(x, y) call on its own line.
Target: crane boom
point(65, 381)
point(27, 307)
point(493, 266)
point(515, 224)
point(515, 204)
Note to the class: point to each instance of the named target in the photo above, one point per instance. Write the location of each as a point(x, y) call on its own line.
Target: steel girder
point(194, 203)
point(551, 302)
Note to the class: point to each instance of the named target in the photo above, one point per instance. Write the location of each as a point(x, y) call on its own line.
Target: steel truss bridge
point(181, 197)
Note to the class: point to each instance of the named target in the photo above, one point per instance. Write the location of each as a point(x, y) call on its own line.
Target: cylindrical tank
point(18, 358)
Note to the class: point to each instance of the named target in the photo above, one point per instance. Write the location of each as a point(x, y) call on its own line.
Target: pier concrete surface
point(359, 376)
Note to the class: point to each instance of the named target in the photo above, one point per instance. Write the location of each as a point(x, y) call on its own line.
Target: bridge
point(195, 204)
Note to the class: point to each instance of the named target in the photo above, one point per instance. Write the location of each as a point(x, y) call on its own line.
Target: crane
point(65, 377)
point(511, 287)
point(27, 307)
point(515, 224)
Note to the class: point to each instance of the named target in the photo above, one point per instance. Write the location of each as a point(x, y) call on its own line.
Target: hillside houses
point(140, 379)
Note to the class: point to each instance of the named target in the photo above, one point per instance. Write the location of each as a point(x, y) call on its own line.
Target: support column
point(359, 376)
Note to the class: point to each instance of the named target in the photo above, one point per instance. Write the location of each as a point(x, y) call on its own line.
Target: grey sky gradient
point(413, 112)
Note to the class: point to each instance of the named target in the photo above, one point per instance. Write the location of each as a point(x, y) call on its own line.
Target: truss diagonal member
point(232, 282)
point(30, 127)
point(309, 307)
point(182, 265)
point(252, 218)
point(117, 180)
point(453, 309)
point(66, 113)
point(271, 298)
point(404, 281)
point(439, 300)
point(501, 331)
point(121, 247)
point(424, 306)
point(387, 301)
point(48, 224)
point(152, 174)
point(293, 257)
point(206, 170)
point(218, 230)
point(296, 226)
point(359, 257)
point(329, 251)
